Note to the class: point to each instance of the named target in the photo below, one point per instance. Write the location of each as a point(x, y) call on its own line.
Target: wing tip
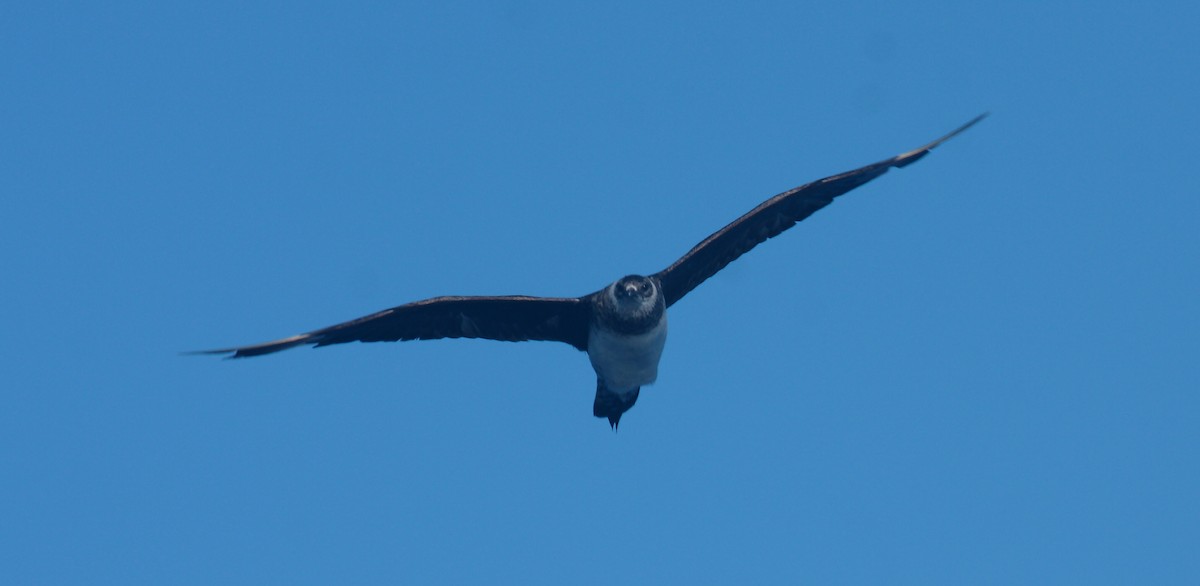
point(257, 349)
point(916, 154)
point(208, 352)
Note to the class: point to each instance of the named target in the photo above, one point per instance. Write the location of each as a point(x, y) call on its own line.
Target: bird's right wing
point(509, 318)
point(771, 218)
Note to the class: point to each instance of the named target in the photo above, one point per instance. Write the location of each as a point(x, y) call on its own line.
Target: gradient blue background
point(981, 369)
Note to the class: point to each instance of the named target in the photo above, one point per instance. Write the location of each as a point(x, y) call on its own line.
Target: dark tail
point(612, 405)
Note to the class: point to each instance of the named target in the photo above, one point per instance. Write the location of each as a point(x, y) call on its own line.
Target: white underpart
point(627, 362)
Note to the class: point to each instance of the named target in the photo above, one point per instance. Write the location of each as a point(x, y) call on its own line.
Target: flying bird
point(623, 326)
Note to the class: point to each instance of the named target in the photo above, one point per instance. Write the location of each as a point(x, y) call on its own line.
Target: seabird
point(623, 326)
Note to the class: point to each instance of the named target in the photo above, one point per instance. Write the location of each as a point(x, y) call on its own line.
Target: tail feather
point(611, 404)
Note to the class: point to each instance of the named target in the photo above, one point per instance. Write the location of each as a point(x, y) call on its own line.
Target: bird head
point(633, 288)
point(634, 296)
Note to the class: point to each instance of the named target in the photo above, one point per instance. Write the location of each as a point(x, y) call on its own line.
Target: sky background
point(981, 369)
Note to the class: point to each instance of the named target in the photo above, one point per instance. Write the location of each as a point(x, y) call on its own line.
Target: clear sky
point(981, 369)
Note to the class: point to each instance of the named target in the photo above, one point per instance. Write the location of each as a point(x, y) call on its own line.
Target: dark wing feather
point(510, 319)
point(771, 218)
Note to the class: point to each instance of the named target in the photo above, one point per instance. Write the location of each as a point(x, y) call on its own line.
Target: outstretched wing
point(509, 318)
point(771, 218)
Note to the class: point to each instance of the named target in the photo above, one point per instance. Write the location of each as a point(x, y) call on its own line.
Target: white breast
point(627, 362)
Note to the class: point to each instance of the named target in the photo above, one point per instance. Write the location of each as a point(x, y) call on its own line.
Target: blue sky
point(979, 369)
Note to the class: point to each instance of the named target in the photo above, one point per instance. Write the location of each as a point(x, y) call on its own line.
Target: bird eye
point(645, 286)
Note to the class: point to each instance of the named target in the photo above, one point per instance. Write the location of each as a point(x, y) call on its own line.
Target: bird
point(623, 326)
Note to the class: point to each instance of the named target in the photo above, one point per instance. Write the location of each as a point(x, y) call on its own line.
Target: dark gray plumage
point(623, 326)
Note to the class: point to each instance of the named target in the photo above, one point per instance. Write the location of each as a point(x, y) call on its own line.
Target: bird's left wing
point(508, 318)
point(771, 218)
